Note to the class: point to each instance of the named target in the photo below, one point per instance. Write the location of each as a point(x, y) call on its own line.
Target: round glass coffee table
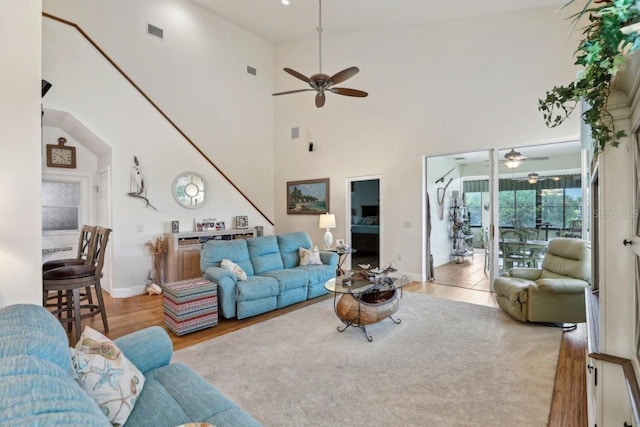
point(364, 302)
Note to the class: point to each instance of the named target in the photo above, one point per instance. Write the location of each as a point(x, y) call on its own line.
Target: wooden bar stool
point(86, 249)
point(72, 278)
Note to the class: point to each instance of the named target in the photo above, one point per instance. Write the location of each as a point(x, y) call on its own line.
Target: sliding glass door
point(535, 190)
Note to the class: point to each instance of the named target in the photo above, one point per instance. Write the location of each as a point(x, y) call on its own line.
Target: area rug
point(447, 363)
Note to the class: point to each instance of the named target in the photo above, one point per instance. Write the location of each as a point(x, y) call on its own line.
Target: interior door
point(365, 225)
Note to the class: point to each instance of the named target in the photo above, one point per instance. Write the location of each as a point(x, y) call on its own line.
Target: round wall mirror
point(190, 190)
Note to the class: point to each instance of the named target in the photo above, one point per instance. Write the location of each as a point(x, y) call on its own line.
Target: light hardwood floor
point(568, 408)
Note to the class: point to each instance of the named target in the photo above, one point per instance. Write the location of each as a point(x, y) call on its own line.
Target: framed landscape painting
point(310, 197)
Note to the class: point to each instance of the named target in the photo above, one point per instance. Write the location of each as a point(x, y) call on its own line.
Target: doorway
point(476, 197)
point(365, 220)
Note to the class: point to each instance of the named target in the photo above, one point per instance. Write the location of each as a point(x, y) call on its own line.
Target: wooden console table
point(183, 255)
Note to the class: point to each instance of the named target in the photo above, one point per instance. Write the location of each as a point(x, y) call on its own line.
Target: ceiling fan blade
point(292, 91)
point(536, 158)
point(348, 92)
point(320, 98)
point(343, 75)
point(298, 75)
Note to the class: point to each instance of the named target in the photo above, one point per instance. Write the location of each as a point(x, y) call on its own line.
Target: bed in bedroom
point(365, 231)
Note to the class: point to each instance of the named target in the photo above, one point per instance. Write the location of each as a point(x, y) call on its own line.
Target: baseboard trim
point(127, 292)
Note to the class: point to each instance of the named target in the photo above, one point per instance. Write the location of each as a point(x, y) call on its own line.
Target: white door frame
point(103, 219)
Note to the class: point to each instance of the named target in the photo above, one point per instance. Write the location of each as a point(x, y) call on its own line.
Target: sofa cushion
point(289, 278)
point(289, 244)
point(318, 273)
point(227, 264)
point(46, 338)
point(174, 395)
point(256, 287)
point(310, 256)
point(265, 254)
point(214, 251)
point(35, 391)
point(106, 375)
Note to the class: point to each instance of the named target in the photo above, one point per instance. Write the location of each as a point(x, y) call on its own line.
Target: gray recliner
point(553, 293)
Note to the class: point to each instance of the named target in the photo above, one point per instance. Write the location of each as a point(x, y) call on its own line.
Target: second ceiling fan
point(321, 83)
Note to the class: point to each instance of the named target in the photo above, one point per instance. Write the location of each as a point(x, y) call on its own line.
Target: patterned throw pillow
point(310, 256)
point(237, 270)
point(106, 375)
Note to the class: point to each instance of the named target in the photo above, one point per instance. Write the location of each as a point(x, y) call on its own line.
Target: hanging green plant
point(607, 38)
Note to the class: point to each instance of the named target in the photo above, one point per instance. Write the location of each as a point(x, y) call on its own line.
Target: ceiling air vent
point(252, 70)
point(158, 32)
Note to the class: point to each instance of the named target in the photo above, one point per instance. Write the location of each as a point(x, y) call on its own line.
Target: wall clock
point(61, 156)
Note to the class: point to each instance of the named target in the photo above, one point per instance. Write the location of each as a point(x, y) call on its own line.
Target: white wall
point(85, 85)
point(197, 75)
point(433, 89)
point(20, 241)
point(441, 228)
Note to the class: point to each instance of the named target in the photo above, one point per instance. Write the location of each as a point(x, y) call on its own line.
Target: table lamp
point(328, 221)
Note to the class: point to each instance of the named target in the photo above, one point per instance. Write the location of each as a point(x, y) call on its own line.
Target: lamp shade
point(327, 221)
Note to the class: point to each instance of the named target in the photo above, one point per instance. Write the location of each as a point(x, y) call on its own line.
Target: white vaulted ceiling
point(277, 23)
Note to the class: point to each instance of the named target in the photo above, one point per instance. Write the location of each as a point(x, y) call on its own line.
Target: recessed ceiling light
point(285, 2)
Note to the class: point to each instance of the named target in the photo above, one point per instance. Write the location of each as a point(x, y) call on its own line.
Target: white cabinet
point(611, 357)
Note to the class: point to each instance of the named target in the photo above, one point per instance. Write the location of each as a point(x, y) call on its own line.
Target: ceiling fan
point(534, 177)
point(513, 159)
point(321, 83)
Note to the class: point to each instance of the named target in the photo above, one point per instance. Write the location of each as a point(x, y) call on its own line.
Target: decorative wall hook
point(140, 192)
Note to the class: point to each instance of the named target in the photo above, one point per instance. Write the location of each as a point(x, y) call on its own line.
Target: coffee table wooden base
point(366, 309)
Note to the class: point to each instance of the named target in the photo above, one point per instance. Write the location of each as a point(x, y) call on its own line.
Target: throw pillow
point(237, 270)
point(310, 256)
point(106, 375)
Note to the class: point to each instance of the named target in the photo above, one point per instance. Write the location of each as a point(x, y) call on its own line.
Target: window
point(60, 206)
point(474, 206)
point(517, 208)
point(560, 206)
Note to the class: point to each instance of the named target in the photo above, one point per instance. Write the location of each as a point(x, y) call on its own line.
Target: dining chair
point(514, 250)
point(72, 278)
point(574, 230)
point(531, 233)
point(486, 244)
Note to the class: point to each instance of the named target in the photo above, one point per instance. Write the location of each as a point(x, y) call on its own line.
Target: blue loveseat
point(274, 277)
point(37, 385)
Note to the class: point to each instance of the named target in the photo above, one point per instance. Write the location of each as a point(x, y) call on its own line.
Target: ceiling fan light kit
point(513, 159)
point(320, 82)
point(512, 164)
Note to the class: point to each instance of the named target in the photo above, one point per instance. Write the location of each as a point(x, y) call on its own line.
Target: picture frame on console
point(308, 197)
point(242, 222)
point(205, 224)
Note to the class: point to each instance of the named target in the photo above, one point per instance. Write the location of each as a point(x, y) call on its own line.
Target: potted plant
point(611, 33)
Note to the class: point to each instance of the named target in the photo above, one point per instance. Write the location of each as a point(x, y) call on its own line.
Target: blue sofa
point(274, 277)
point(37, 385)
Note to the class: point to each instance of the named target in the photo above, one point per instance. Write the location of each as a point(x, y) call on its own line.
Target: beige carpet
point(447, 364)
